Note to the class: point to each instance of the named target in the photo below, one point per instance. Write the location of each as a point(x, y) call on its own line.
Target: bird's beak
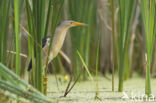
point(78, 24)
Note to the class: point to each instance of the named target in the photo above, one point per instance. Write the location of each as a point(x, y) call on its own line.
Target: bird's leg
point(68, 90)
point(71, 78)
point(45, 80)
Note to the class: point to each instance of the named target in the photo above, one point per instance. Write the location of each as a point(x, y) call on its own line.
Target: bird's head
point(71, 23)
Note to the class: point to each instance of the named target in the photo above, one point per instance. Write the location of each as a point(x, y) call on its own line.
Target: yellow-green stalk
point(148, 14)
point(126, 9)
point(17, 36)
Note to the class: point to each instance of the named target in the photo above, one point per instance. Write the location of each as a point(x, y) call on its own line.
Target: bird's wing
point(30, 65)
point(44, 40)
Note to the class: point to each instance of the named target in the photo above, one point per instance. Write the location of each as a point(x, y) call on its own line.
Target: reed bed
point(126, 10)
point(83, 11)
point(15, 85)
point(5, 8)
point(148, 15)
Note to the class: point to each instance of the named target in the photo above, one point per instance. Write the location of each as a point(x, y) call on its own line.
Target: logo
point(125, 96)
point(138, 96)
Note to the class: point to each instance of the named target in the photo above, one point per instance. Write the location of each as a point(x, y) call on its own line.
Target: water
point(84, 92)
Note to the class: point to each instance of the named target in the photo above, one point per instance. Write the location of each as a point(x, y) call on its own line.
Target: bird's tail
point(30, 65)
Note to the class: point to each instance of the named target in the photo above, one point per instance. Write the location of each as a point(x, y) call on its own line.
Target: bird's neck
point(62, 31)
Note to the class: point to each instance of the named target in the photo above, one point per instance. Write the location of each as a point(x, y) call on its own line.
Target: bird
point(57, 42)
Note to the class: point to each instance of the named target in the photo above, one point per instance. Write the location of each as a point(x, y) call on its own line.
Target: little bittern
point(58, 40)
point(57, 43)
